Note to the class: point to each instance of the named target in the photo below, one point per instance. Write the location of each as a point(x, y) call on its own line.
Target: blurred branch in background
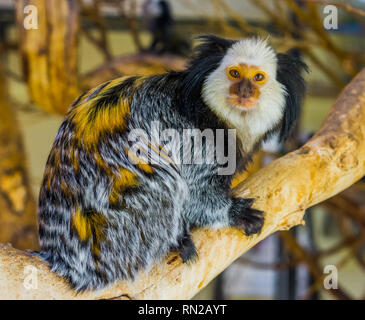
point(128, 12)
point(345, 6)
point(49, 53)
point(17, 205)
point(143, 63)
point(93, 14)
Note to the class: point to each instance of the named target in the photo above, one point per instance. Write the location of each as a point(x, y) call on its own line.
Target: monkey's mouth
point(241, 102)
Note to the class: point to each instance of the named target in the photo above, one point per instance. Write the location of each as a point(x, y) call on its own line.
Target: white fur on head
point(250, 124)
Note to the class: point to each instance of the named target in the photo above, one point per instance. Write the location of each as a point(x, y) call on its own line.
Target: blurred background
point(53, 50)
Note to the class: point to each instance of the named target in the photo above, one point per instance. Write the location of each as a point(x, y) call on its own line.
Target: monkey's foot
point(244, 217)
point(187, 249)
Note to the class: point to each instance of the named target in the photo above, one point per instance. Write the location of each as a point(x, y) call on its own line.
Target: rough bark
point(17, 205)
point(329, 163)
point(49, 53)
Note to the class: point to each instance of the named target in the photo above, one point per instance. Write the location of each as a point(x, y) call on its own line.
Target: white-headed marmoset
point(107, 212)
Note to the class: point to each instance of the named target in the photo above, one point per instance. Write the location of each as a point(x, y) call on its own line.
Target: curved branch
point(329, 163)
point(132, 64)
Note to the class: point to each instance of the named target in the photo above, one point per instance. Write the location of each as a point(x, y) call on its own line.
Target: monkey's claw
point(244, 217)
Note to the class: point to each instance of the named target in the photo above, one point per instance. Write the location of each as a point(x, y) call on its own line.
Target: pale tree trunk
point(17, 205)
point(330, 162)
point(49, 53)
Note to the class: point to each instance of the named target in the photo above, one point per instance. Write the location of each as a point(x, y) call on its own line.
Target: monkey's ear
point(210, 45)
point(289, 74)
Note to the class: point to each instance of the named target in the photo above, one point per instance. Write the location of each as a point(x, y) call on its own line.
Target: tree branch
point(49, 54)
point(17, 205)
point(330, 162)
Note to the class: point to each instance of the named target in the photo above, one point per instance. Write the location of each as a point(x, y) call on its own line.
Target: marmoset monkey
point(115, 199)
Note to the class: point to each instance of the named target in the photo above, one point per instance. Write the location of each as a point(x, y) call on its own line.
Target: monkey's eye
point(259, 77)
point(234, 73)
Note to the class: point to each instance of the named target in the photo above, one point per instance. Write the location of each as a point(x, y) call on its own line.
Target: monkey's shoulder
point(110, 105)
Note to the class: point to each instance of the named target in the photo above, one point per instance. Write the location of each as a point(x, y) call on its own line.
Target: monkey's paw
point(187, 249)
point(244, 217)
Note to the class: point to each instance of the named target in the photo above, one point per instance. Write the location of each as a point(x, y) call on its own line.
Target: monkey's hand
point(244, 217)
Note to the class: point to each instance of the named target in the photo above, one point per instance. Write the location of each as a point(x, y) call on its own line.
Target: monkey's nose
point(246, 89)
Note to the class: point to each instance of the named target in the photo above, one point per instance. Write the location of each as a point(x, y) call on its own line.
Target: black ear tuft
point(206, 58)
point(289, 74)
point(210, 45)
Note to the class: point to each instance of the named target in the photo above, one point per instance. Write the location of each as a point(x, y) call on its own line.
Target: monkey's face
point(246, 82)
point(243, 89)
